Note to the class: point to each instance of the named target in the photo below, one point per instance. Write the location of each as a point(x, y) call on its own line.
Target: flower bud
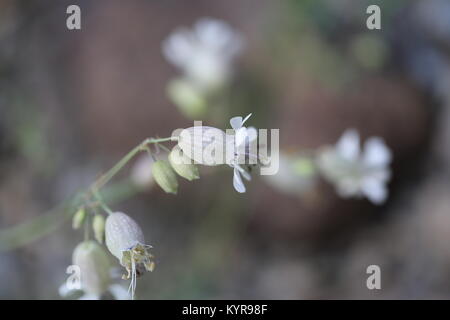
point(189, 100)
point(183, 165)
point(164, 176)
point(98, 225)
point(204, 145)
point(125, 240)
point(94, 265)
point(78, 218)
point(121, 233)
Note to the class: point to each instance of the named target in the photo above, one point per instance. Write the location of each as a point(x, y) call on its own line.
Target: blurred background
point(73, 102)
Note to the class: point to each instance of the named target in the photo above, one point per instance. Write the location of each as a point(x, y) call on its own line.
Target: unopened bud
point(98, 225)
point(183, 165)
point(78, 218)
point(125, 240)
point(164, 176)
point(122, 233)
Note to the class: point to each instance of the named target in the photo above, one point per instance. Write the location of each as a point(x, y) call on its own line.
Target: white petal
point(376, 153)
point(241, 134)
point(179, 48)
point(244, 173)
point(119, 292)
point(348, 145)
point(236, 122)
point(214, 34)
point(375, 190)
point(237, 181)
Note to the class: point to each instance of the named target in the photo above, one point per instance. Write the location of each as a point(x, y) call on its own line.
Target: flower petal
point(213, 34)
point(348, 145)
point(240, 136)
point(376, 153)
point(218, 37)
point(236, 122)
point(375, 190)
point(237, 181)
point(179, 47)
point(244, 173)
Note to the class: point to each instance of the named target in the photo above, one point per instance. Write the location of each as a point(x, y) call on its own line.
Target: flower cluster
point(122, 235)
point(124, 240)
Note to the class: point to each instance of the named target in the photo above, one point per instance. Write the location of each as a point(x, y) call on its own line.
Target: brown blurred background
point(73, 102)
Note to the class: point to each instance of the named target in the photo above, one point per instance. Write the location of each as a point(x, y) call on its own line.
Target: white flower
point(205, 53)
point(211, 146)
point(242, 138)
point(95, 273)
point(355, 172)
point(141, 172)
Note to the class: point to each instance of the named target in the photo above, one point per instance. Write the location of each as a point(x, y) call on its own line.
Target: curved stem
point(40, 226)
point(105, 178)
point(102, 203)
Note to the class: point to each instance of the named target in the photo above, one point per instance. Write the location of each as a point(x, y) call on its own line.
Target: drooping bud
point(183, 165)
point(189, 99)
point(125, 240)
point(98, 225)
point(94, 265)
point(204, 145)
point(78, 218)
point(164, 176)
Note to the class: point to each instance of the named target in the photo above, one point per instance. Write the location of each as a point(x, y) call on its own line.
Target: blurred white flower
point(95, 273)
point(141, 172)
point(354, 172)
point(204, 53)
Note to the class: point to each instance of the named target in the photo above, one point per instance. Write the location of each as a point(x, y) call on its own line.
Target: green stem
point(86, 228)
point(35, 228)
point(40, 226)
point(104, 179)
point(102, 203)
